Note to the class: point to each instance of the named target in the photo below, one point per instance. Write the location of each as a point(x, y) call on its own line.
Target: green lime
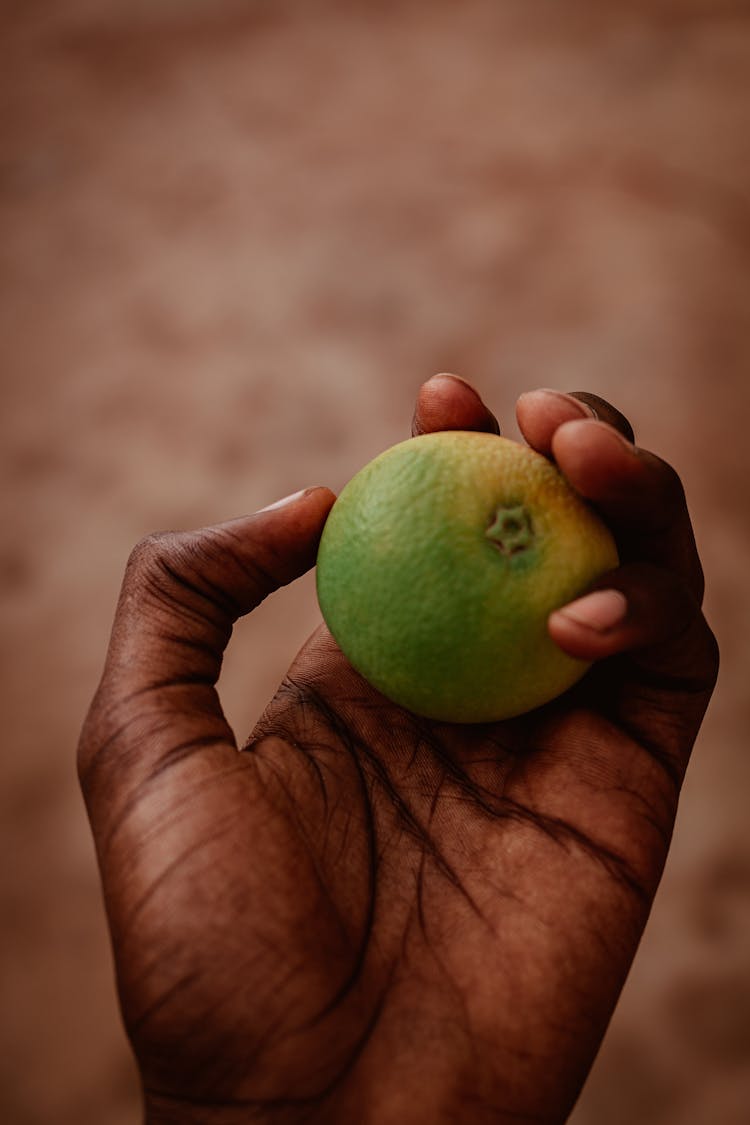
point(439, 565)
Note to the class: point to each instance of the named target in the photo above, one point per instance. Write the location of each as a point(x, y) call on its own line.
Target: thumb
point(157, 703)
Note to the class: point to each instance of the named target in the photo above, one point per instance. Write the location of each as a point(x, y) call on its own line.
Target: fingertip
point(541, 412)
point(592, 430)
point(312, 503)
point(585, 628)
point(289, 528)
point(599, 462)
point(661, 629)
point(318, 501)
point(304, 494)
point(448, 402)
point(600, 611)
point(320, 494)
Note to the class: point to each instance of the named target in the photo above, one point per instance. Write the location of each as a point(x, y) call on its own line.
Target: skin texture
point(367, 916)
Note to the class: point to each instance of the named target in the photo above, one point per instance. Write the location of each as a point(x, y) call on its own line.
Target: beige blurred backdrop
point(236, 236)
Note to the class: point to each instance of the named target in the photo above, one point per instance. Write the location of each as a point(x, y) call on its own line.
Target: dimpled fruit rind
point(439, 565)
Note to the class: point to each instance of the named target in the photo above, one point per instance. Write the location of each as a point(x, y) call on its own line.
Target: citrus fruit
point(439, 565)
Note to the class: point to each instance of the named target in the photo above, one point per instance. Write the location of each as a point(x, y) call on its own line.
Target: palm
point(413, 863)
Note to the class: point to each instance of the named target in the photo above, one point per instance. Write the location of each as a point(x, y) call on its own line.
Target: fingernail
point(450, 375)
point(285, 500)
point(581, 408)
point(617, 438)
point(455, 379)
point(600, 610)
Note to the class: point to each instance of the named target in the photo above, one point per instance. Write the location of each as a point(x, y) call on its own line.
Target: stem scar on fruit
point(511, 530)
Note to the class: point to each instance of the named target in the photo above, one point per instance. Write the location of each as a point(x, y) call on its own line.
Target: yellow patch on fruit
point(439, 565)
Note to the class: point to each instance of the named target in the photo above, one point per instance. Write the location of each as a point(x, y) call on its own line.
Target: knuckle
point(184, 571)
point(150, 552)
point(671, 491)
point(674, 489)
point(659, 600)
point(158, 561)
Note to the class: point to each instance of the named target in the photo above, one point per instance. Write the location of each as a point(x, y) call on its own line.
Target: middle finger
point(639, 495)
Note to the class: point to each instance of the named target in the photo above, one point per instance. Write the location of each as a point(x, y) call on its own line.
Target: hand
point(367, 916)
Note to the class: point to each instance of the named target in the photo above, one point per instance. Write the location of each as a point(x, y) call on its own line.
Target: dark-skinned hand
point(364, 916)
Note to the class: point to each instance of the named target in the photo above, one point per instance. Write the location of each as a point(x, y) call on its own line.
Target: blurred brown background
point(236, 236)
